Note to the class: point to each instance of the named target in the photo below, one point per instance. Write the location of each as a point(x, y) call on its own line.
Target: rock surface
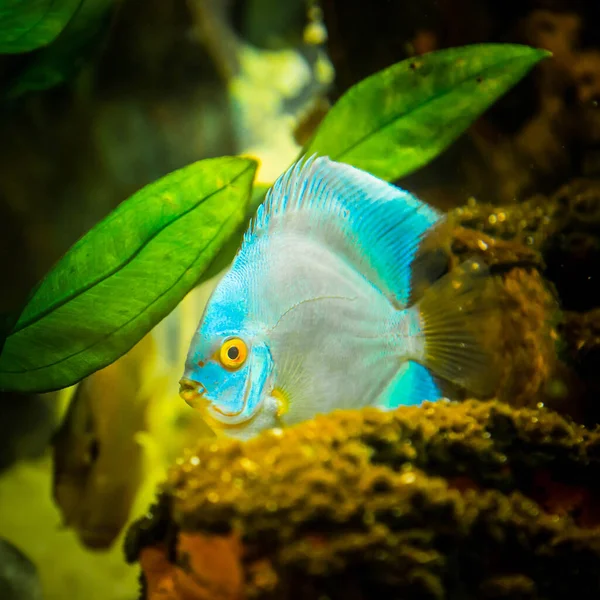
point(547, 251)
point(472, 500)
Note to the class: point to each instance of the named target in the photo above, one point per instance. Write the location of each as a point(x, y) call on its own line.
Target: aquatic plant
point(130, 270)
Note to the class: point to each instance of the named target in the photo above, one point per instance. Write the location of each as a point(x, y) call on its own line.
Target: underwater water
point(172, 426)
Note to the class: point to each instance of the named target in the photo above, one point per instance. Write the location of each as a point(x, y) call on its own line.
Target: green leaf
point(62, 59)
point(125, 275)
point(28, 24)
point(399, 119)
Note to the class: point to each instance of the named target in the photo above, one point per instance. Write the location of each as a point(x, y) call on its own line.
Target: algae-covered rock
point(580, 342)
point(547, 252)
point(522, 337)
point(472, 500)
point(521, 334)
point(559, 234)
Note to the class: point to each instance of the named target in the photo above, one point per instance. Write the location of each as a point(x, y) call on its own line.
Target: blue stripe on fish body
point(375, 225)
point(411, 387)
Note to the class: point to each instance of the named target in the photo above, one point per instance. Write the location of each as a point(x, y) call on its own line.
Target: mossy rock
point(470, 500)
point(547, 250)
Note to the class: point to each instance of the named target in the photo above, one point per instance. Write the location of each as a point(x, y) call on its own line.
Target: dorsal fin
point(376, 226)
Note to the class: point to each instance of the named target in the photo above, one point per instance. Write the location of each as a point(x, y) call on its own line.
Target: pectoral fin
point(260, 373)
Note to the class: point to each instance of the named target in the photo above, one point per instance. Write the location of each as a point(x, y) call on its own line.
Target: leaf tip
point(542, 53)
point(252, 160)
point(524, 51)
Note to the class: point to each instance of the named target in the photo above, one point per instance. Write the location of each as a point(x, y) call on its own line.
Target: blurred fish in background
point(123, 428)
point(97, 456)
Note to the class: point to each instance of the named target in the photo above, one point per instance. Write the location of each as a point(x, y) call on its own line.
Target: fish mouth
point(191, 391)
point(194, 394)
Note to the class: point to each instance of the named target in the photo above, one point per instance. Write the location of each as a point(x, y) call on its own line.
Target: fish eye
point(233, 353)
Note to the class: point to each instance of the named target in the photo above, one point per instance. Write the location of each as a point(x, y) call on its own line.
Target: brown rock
point(472, 500)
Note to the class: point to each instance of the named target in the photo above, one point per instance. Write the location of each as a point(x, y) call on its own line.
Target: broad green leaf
point(28, 24)
point(125, 275)
point(62, 59)
point(399, 119)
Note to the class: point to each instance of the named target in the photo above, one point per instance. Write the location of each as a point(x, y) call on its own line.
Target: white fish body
point(314, 313)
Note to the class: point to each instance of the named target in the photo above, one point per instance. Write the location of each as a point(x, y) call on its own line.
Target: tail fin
point(459, 317)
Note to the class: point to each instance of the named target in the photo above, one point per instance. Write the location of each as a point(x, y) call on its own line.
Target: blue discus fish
point(313, 314)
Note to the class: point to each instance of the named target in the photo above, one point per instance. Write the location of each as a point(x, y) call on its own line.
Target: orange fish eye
point(233, 353)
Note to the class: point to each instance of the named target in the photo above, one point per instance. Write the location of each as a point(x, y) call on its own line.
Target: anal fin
point(412, 386)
